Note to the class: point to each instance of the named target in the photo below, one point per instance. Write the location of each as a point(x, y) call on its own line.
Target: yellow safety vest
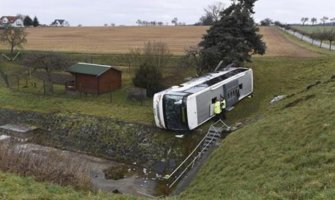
point(223, 103)
point(217, 107)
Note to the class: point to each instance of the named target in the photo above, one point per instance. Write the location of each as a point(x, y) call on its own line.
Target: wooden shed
point(94, 78)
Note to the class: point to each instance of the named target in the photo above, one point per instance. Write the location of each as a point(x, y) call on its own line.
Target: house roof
point(90, 69)
point(60, 21)
point(11, 19)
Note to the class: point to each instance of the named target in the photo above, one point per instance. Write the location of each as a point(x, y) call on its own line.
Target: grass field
point(285, 151)
point(17, 188)
point(311, 29)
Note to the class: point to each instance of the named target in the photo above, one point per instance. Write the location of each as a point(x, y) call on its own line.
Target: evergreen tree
point(36, 22)
point(233, 39)
point(28, 21)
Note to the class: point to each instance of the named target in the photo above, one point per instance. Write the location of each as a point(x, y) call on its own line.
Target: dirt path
point(278, 45)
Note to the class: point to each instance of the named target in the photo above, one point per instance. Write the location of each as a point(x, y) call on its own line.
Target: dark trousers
point(223, 115)
point(217, 117)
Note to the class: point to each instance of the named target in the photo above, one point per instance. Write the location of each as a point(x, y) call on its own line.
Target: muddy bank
point(131, 143)
point(70, 168)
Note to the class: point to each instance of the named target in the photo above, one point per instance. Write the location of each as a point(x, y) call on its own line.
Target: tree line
point(174, 21)
point(314, 20)
point(28, 21)
point(322, 34)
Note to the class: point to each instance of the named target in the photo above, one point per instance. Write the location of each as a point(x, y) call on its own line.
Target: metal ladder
point(213, 135)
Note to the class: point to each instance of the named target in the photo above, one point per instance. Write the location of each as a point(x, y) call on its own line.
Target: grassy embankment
point(311, 29)
point(287, 150)
point(13, 187)
point(286, 153)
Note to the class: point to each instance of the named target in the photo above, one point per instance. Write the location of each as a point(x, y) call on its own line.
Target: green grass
point(282, 153)
point(313, 29)
point(32, 99)
point(287, 154)
point(278, 76)
point(321, 51)
point(13, 187)
point(120, 108)
point(285, 151)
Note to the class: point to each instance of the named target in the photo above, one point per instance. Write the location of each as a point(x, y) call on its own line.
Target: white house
point(60, 23)
point(11, 21)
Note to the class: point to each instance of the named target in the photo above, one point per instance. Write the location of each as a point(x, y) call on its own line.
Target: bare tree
point(314, 20)
point(324, 20)
point(333, 20)
point(214, 10)
point(321, 35)
point(175, 21)
point(13, 37)
point(193, 58)
point(266, 22)
point(139, 22)
point(133, 58)
point(330, 36)
point(49, 63)
point(212, 14)
point(304, 20)
point(156, 54)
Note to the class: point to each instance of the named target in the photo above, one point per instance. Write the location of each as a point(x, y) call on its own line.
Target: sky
point(126, 12)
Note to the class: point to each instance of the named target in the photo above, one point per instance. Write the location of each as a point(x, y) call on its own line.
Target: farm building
point(11, 21)
point(94, 78)
point(60, 23)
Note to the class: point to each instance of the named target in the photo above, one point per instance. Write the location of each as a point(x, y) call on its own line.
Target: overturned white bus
point(187, 106)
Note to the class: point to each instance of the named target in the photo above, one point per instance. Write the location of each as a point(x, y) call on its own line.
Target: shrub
point(49, 166)
point(148, 77)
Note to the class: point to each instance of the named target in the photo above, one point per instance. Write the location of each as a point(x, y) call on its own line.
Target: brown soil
point(278, 45)
point(112, 39)
point(122, 39)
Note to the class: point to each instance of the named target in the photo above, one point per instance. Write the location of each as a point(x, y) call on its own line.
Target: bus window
point(213, 100)
point(183, 114)
point(175, 112)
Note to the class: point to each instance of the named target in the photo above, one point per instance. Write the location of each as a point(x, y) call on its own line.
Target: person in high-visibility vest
point(217, 109)
point(223, 108)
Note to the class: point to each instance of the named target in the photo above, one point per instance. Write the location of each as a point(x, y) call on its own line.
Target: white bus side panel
point(192, 112)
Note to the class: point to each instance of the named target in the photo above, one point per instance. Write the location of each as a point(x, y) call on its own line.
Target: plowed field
point(121, 39)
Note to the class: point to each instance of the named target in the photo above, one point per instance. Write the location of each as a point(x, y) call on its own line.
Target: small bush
point(148, 77)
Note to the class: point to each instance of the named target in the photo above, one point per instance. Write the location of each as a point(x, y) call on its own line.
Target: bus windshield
point(175, 114)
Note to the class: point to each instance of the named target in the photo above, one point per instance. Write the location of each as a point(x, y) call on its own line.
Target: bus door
point(231, 93)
